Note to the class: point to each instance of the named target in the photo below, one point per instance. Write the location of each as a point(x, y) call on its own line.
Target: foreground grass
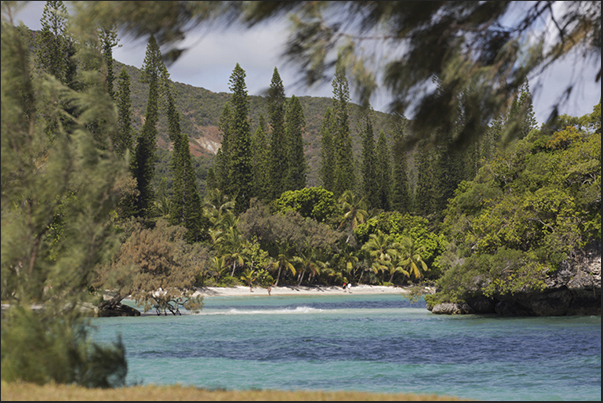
point(29, 391)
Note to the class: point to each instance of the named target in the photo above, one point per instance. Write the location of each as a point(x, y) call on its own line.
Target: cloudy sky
point(212, 55)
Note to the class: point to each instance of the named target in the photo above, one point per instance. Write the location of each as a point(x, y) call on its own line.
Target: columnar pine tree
point(210, 181)
point(143, 165)
point(295, 177)
point(449, 171)
point(260, 154)
point(223, 154)
point(345, 177)
point(369, 178)
point(125, 133)
point(186, 202)
point(425, 203)
point(383, 173)
point(276, 119)
point(240, 169)
point(401, 193)
point(54, 55)
point(327, 168)
point(52, 44)
point(109, 40)
point(521, 114)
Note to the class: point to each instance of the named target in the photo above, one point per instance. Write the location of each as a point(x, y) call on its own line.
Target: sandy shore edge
point(243, 291)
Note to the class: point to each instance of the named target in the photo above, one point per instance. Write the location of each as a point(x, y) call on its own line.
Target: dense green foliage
point(534, 205)
point(59, 188)
point(314, 202)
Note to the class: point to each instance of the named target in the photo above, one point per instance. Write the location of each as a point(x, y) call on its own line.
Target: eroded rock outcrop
point(574, 289)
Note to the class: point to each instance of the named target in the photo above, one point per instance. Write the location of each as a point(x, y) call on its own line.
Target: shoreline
point(243, 291)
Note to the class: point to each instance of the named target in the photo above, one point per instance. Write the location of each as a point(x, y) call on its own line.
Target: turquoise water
point(375, 343)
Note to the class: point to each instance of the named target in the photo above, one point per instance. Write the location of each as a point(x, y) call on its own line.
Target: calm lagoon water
point(375, 343)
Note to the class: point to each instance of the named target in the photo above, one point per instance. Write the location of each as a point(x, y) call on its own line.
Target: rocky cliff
point(574, 289)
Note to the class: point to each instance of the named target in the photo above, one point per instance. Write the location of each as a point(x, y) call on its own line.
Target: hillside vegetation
point(201, 108)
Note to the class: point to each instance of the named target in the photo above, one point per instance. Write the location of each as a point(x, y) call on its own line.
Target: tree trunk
point(301, 277)
point(278, 276)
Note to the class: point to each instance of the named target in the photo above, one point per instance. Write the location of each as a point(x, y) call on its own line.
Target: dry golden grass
point(28, 391)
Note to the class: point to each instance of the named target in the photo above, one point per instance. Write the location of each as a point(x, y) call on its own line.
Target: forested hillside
point(201, 108)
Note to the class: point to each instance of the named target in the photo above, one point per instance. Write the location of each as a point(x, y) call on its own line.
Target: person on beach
point(269, 290)
point(344, 285)
point(349, 287)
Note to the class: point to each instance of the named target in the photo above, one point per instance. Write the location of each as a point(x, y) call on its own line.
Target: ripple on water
point(367, 343)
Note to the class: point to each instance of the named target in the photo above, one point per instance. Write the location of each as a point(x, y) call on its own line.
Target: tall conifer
point(369, 178)
point(295, 177)
point(124, 139)
point(260, 153)
point(383, 173)
point(402, 199)
point(52, 46)
point(109, 40)
point(186, 202)
point(240, 169)
point(327, 168)
point(143, 165)
point(223, 154)
point(345, 177)
point(276, 119)
point(449, 170)
point(425, 200)
point(521, 117)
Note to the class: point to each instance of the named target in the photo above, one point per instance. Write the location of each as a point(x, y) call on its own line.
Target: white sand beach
point(301, 290)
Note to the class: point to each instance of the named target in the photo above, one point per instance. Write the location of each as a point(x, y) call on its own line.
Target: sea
point(372, 343)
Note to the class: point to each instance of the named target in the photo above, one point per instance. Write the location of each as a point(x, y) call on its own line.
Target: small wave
point(286, 311)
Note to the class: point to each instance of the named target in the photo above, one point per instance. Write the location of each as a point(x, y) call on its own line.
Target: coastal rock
point(482, 305)
point(118, 310)
point(574, 289)
point(452, 309)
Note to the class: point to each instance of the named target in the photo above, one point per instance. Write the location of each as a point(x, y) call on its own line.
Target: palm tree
point(249, 276)
point(217, 205)
point(382, 250)
point(397, 265)
point(348, 261)
point(284, 260)
point(412, 257)
point(218, 266)
point(354, 212)
point(232, 247)
point(306, 263)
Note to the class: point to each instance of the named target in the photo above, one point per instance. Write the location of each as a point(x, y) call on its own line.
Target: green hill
point(201, 108)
